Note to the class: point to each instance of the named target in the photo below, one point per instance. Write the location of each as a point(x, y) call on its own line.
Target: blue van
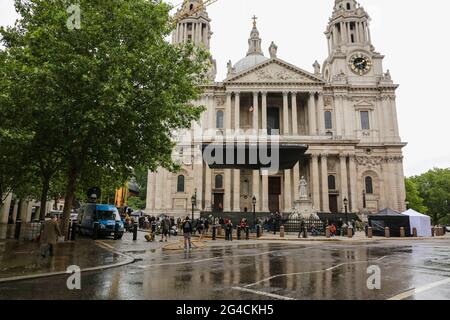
point(98, 220)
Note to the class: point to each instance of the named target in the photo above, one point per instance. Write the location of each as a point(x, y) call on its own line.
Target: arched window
point(331, 182)
point(191, 7)
point(328, 120)
point(180, 184)
point(219, 181)
point(219, 120)
point(369, 185)
point(348, 6)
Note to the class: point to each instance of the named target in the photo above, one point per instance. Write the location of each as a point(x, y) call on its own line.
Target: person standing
point(229, 231)
point(49, 237)
point(187, 233)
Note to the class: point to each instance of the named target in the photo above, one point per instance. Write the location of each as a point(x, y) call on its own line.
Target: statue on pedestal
point(303, 189)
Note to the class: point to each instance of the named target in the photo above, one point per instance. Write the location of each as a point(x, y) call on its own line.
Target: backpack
point(187, 227)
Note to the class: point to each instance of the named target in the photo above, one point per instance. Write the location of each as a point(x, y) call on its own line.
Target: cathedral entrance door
point(334, 203)
point(274, 194)
point(218, 202)
point(273, 119)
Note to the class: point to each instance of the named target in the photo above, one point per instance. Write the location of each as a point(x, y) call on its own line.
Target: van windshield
point(107, 215)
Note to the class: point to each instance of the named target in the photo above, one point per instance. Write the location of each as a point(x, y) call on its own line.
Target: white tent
point(419, 221)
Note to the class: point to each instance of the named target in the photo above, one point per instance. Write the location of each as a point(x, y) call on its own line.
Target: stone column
point(287, 191)
point(228, 112)
point(380, 116)
point(211, 111)
point(150, 191)
point(388, 129)
point(168, 190)
point(338, 112)
point(265, 193)
point(324, 174)
point(312, 114)
point(208, 188)
point(401, 185)
point(158, 190)
point(193, 35)
point(396, 132)
point(344, 185)
point(296, 177)
point(315, 180)
point(237, 111)
point(228, 191)
point(255, 111)
point(4, 209)
point(264, 112)
point(294, 114)
point(185, 32)
point(237, 191)
point(285, 113)
point(198, 174)
point(353, 184)
point(255, 189)
point(321, 111)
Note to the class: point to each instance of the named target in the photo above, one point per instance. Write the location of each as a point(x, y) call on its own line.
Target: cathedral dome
point(249, 62)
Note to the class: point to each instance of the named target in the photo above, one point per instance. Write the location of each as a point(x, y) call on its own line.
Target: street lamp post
point(346, 210)
point(254, 209)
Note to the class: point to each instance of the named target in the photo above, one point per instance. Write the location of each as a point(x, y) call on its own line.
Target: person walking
point(229, 230)
point(165, 228)
point(187, 233)
point(49, 236)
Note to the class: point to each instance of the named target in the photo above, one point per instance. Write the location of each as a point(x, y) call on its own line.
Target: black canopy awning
point(253, 156)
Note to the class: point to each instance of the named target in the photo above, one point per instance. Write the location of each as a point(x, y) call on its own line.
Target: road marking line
point(310, 272)
point(413, 292)
point(271, 295)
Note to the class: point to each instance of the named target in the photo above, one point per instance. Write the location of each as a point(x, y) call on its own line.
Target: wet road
point(260, 270)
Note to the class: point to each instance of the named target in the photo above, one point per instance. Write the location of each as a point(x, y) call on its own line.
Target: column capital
point(263, 93)
point(343, 156)
point(237, 93)
point(324, 155)
point(315, 156)
point(285, 93)
point(229, 93)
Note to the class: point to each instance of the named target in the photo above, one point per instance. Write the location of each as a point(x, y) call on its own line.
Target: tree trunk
point(44, 194)
point(55, 206)
point(69, 198)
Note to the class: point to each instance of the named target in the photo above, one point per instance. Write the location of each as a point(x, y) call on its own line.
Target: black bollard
point(258, 231)
point(135, 231)
point(74, 230)
point(239, 232)
point(214, 232)
point(247, 233)
point(305, 232)
point(17, 231)
point(96, 231)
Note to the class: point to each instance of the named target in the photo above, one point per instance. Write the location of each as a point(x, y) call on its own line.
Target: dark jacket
point(187, 227)
point(51, 232)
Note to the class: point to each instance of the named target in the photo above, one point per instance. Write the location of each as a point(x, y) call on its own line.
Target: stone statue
point(273, 49)
point(303, 189)
point(316, 66)
point(230, 68)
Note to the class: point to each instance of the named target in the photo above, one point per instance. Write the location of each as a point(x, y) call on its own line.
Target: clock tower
point(351, 56)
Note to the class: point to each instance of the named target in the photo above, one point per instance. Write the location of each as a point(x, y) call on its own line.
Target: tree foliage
point(434, 188)
point(105, 98)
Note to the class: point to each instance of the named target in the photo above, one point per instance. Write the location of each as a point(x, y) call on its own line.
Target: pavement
point(286, 269)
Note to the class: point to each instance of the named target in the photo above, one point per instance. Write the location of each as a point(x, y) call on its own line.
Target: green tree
point(114, 89)
point(434, 188)
point(413, 196)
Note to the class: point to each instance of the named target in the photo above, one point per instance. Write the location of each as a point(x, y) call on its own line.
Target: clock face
point(360, 64)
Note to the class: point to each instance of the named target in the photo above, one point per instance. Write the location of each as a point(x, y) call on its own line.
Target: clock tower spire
point(351, 55)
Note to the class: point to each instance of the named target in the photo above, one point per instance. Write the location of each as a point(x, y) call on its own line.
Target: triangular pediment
point(364, 103)
point(274, 71)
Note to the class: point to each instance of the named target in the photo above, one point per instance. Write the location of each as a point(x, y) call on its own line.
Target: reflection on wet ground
point(263, 271)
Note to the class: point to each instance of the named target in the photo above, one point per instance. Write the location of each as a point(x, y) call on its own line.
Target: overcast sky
point(413, 35)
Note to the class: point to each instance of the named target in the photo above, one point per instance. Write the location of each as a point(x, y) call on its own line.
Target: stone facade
point(345, 111)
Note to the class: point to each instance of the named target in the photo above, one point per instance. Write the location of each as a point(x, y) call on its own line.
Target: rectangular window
point(365, 122)
point(328, 120)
